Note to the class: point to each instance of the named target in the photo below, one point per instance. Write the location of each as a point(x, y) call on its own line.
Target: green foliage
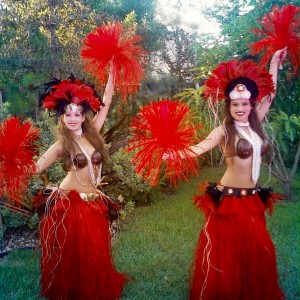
point(288, 91)
point(42, 39)
point(286, 130)
point(4, 110)
point(21, 101)
point(15, 220)
point(123, 181)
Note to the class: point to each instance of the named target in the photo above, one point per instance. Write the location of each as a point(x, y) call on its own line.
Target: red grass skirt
point(235, 257)
point(76, 250)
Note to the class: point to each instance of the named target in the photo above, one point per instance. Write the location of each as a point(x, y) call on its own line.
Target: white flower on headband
point(239, 92)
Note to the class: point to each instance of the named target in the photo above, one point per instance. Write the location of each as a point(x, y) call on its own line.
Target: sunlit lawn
point(156, 245)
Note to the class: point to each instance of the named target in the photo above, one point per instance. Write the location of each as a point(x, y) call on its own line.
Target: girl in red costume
point(235, 257)
point(76, 258)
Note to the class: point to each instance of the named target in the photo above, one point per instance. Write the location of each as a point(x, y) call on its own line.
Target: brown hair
point(230, 131)
point(69, 145)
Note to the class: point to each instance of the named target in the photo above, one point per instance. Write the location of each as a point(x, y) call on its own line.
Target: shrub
point(123, 180)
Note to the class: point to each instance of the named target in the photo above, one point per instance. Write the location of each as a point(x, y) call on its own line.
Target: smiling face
point(240, 109)
point(73, 119)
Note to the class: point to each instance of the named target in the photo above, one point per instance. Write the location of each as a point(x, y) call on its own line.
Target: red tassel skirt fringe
point(235, 257)
point(76, 258)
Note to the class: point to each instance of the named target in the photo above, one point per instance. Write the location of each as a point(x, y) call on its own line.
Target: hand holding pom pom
point(279, 29)
point(162, 133)
point(112, 47)
point(279, 57)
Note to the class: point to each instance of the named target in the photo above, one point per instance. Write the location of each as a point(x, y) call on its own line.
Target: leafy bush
point(123, 180)
point(4, 110)
point(14, 220)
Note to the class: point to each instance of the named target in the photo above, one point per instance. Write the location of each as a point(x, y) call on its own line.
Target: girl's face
point(240, 109)
point(73, 120)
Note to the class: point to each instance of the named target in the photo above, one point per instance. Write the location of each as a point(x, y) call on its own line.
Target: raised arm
point(51, 155)
point(275, 64)
point(100, 117)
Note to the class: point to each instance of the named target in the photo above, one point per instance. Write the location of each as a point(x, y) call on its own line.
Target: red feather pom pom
point(215, 85)
point(111, 44)
point(163, 127)
point(18, 146)
point(279, 29)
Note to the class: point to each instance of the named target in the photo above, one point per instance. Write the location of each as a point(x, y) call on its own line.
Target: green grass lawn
point(156, 245)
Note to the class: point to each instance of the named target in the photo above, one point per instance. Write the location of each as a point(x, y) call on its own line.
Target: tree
point(286, 148)
point(41, 40)
point(43, 36)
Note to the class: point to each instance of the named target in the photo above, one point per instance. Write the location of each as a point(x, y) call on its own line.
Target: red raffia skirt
point(235, 257)
point(76, 260)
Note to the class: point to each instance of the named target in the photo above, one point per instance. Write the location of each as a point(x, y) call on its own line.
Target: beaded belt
point(237, 192)
point(89, 197)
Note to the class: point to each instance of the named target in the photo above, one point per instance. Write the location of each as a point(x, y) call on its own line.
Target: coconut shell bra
point(80, 161)
point(244, 148)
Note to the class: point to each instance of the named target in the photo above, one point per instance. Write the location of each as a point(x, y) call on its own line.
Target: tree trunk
point(54, 44)
point(37, 108)
point(287, 189)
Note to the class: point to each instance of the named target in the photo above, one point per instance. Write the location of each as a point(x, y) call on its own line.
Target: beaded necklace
point(254, 140)
point(94, 180)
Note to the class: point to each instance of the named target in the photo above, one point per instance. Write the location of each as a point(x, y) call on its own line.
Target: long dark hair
point(230, 131)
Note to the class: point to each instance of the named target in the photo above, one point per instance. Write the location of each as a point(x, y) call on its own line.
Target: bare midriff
point(71, 181)
point(238, 173)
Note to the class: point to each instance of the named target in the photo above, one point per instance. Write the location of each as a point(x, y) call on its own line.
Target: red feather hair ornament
point(224, 73)
point(279, 29)
point(18, 147)
point(111, 46)
point(163, 127)
point(71, 91)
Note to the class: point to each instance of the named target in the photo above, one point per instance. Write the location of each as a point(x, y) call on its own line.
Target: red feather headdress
point(18, 147)
point(215, 85)
point(111, 46)
point(279, 29)
point(63, 92)
point(163, 127)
